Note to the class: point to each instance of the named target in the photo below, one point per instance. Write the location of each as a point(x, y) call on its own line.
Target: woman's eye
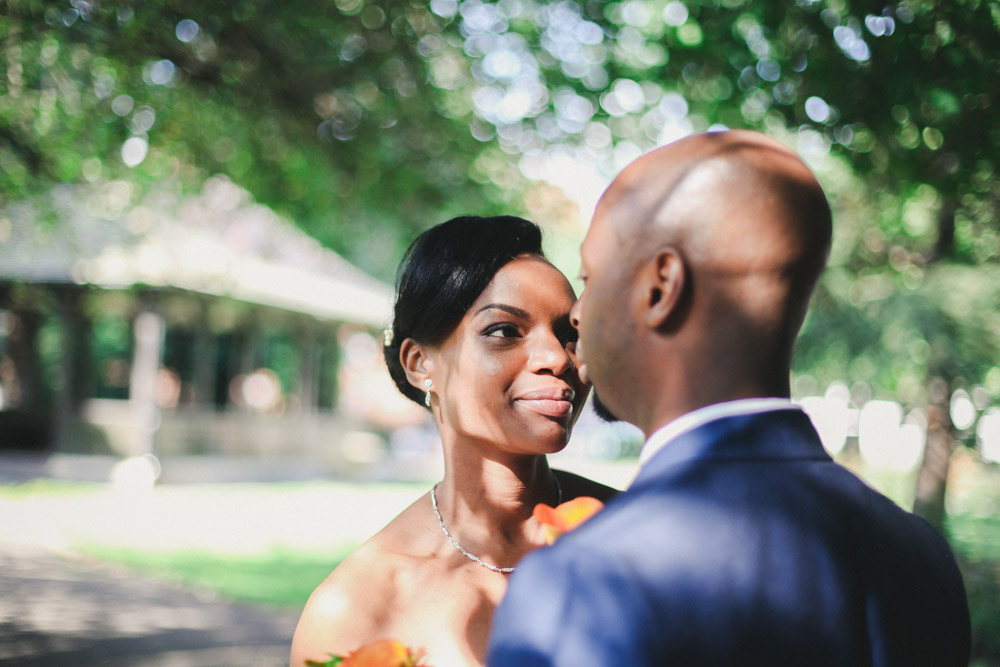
point(502, 331)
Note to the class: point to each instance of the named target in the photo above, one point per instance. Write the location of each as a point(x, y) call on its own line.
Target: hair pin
point(387, 337)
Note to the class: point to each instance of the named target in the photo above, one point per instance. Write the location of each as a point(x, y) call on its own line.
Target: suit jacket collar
point(696, 418)
point(774, 435)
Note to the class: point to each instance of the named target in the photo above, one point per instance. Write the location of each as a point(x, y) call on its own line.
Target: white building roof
point(219, 242)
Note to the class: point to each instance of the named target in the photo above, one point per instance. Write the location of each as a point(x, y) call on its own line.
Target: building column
point(206, 350)
point(74, 374)
point(309, 377)
point(149, 330)
point(328, 367)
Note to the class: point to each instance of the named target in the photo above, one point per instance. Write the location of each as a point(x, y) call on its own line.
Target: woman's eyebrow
point(516, 312)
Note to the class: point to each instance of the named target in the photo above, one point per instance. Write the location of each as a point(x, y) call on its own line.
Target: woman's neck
point(490, 502)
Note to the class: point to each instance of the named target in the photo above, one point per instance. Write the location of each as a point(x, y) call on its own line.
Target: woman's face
point(507, 375)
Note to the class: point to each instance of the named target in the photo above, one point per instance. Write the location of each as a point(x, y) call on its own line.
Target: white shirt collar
point(692, 420)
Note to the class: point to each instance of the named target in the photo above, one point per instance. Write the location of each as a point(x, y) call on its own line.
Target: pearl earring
point(427, 395)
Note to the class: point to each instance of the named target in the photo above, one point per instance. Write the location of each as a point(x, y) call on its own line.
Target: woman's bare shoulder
point(575, 486)
point(355, 603)
point(344, 608)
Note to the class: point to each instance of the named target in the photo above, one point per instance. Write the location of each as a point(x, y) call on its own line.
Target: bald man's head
point(719, 240)
point(736, 201)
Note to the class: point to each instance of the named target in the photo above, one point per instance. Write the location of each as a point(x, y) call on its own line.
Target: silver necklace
point(471, 556)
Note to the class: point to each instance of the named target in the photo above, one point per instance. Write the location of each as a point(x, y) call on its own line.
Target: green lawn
point(40, 488)
point(280, 577)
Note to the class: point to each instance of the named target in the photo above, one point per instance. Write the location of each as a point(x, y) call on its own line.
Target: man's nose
point(574, 313)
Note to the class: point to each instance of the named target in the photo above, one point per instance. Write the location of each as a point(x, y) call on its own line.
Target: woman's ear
point(415, 361)
point(662, 282)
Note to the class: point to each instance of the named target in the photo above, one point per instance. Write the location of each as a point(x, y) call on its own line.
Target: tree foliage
point(324, 112)
point(904, 91)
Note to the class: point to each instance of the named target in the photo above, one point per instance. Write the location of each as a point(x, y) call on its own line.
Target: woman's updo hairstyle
point(443, 273)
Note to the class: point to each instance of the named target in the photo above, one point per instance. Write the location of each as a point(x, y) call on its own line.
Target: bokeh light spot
point(160, 73)
point(134, 151)
point(675, 13)
point(880, 26)
point(988, 435)
point(122, 105)
point(933, 138)
point(143, 119)
point(444, 8)
point(186, 30)
point(817, 109)
point(769, 70)
point(963, 412)
point(690, 34)
point(851, 42)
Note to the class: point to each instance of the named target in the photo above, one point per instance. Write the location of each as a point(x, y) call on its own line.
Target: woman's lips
point(547, 407)
point(551, 403)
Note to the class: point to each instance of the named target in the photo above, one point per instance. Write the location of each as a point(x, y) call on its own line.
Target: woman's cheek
point(492, 365)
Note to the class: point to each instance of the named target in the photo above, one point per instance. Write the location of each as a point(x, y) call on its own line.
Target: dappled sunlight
point(830, 414)
point(886, 441)
point(888, 436)
point(988, 435)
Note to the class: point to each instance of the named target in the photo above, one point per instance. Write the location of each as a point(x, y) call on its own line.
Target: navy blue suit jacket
point(740, 543)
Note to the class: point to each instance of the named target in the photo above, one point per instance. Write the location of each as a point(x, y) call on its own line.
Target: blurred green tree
point(324, 111)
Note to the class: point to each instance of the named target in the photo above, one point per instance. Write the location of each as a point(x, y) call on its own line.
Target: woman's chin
point(552, 438)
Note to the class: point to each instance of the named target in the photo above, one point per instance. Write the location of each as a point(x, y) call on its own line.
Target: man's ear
point(415, 361)
point(662, 282)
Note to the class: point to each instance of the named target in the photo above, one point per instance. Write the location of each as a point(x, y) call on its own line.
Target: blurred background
point(202, 206)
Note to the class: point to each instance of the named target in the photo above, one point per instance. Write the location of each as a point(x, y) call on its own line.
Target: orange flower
point(565, 517)
point(381, 653)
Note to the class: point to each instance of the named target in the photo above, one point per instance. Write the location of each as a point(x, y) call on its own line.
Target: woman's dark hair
point(442, 274)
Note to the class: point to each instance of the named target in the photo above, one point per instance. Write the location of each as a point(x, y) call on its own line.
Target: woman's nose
point(551, 354)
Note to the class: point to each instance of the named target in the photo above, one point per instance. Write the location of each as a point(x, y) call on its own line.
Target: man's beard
point(601, 410)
